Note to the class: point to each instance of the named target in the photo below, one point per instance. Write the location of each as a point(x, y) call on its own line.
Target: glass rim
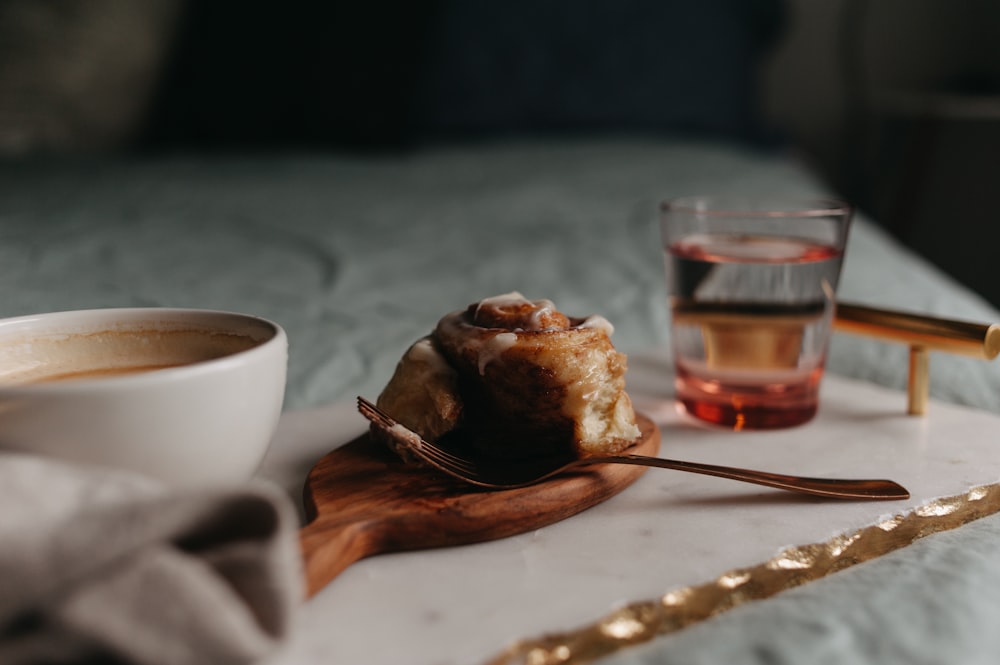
point(757, 207)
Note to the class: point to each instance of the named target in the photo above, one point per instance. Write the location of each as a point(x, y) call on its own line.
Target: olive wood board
point(362, 500)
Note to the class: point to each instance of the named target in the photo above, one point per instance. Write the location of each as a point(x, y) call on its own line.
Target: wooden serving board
point(362, 500)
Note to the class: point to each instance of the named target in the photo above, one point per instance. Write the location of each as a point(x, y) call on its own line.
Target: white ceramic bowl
point(191, 397)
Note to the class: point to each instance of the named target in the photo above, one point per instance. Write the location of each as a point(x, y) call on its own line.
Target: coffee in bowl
point(189, 396)
point(100, 372)
point(97, 354)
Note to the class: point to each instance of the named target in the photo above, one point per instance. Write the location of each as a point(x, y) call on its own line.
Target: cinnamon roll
point(516, 378)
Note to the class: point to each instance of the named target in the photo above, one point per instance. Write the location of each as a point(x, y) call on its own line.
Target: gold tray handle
point(922, 334)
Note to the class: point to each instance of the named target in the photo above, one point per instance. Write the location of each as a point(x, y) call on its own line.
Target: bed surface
point(357, 256)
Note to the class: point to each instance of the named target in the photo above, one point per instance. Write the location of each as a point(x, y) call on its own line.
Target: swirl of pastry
point(535, 381)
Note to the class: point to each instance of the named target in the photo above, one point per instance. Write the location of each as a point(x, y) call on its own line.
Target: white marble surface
point(465, 604)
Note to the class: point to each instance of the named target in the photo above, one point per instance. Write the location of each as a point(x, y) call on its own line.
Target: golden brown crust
point(423, 393)
point(511, 314)
point(528, 380)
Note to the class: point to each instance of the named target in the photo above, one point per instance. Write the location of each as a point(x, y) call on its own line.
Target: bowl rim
point(275, 335)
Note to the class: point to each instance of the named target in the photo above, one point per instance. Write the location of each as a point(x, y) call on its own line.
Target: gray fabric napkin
point(100, 565)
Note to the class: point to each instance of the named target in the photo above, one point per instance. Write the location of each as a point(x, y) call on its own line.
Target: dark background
point(895, 103)
point(393, 74)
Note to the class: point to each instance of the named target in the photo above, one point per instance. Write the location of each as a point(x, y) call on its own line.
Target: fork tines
point(374, 414)
point(442, 458)
point(431, 453)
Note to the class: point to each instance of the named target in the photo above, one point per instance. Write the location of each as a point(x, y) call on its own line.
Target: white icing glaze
point(423, 350)
point(489, 348)
point(493, 347)
point(512, 298)
point(542, 308)
point(400, 432)
point(598, 322)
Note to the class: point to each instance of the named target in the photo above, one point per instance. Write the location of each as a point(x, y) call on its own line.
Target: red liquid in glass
point(751, 321)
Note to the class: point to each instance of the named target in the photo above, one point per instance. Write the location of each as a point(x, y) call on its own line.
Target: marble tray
point(599, 575)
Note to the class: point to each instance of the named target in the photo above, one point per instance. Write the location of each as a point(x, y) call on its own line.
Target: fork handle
point(875, 489)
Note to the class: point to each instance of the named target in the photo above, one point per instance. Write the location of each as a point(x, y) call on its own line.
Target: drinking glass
point(752, 291)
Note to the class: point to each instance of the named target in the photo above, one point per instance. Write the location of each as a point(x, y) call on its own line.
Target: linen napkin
point(102, 565)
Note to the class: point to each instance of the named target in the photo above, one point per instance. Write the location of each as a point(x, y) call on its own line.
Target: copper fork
point(493, 474)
